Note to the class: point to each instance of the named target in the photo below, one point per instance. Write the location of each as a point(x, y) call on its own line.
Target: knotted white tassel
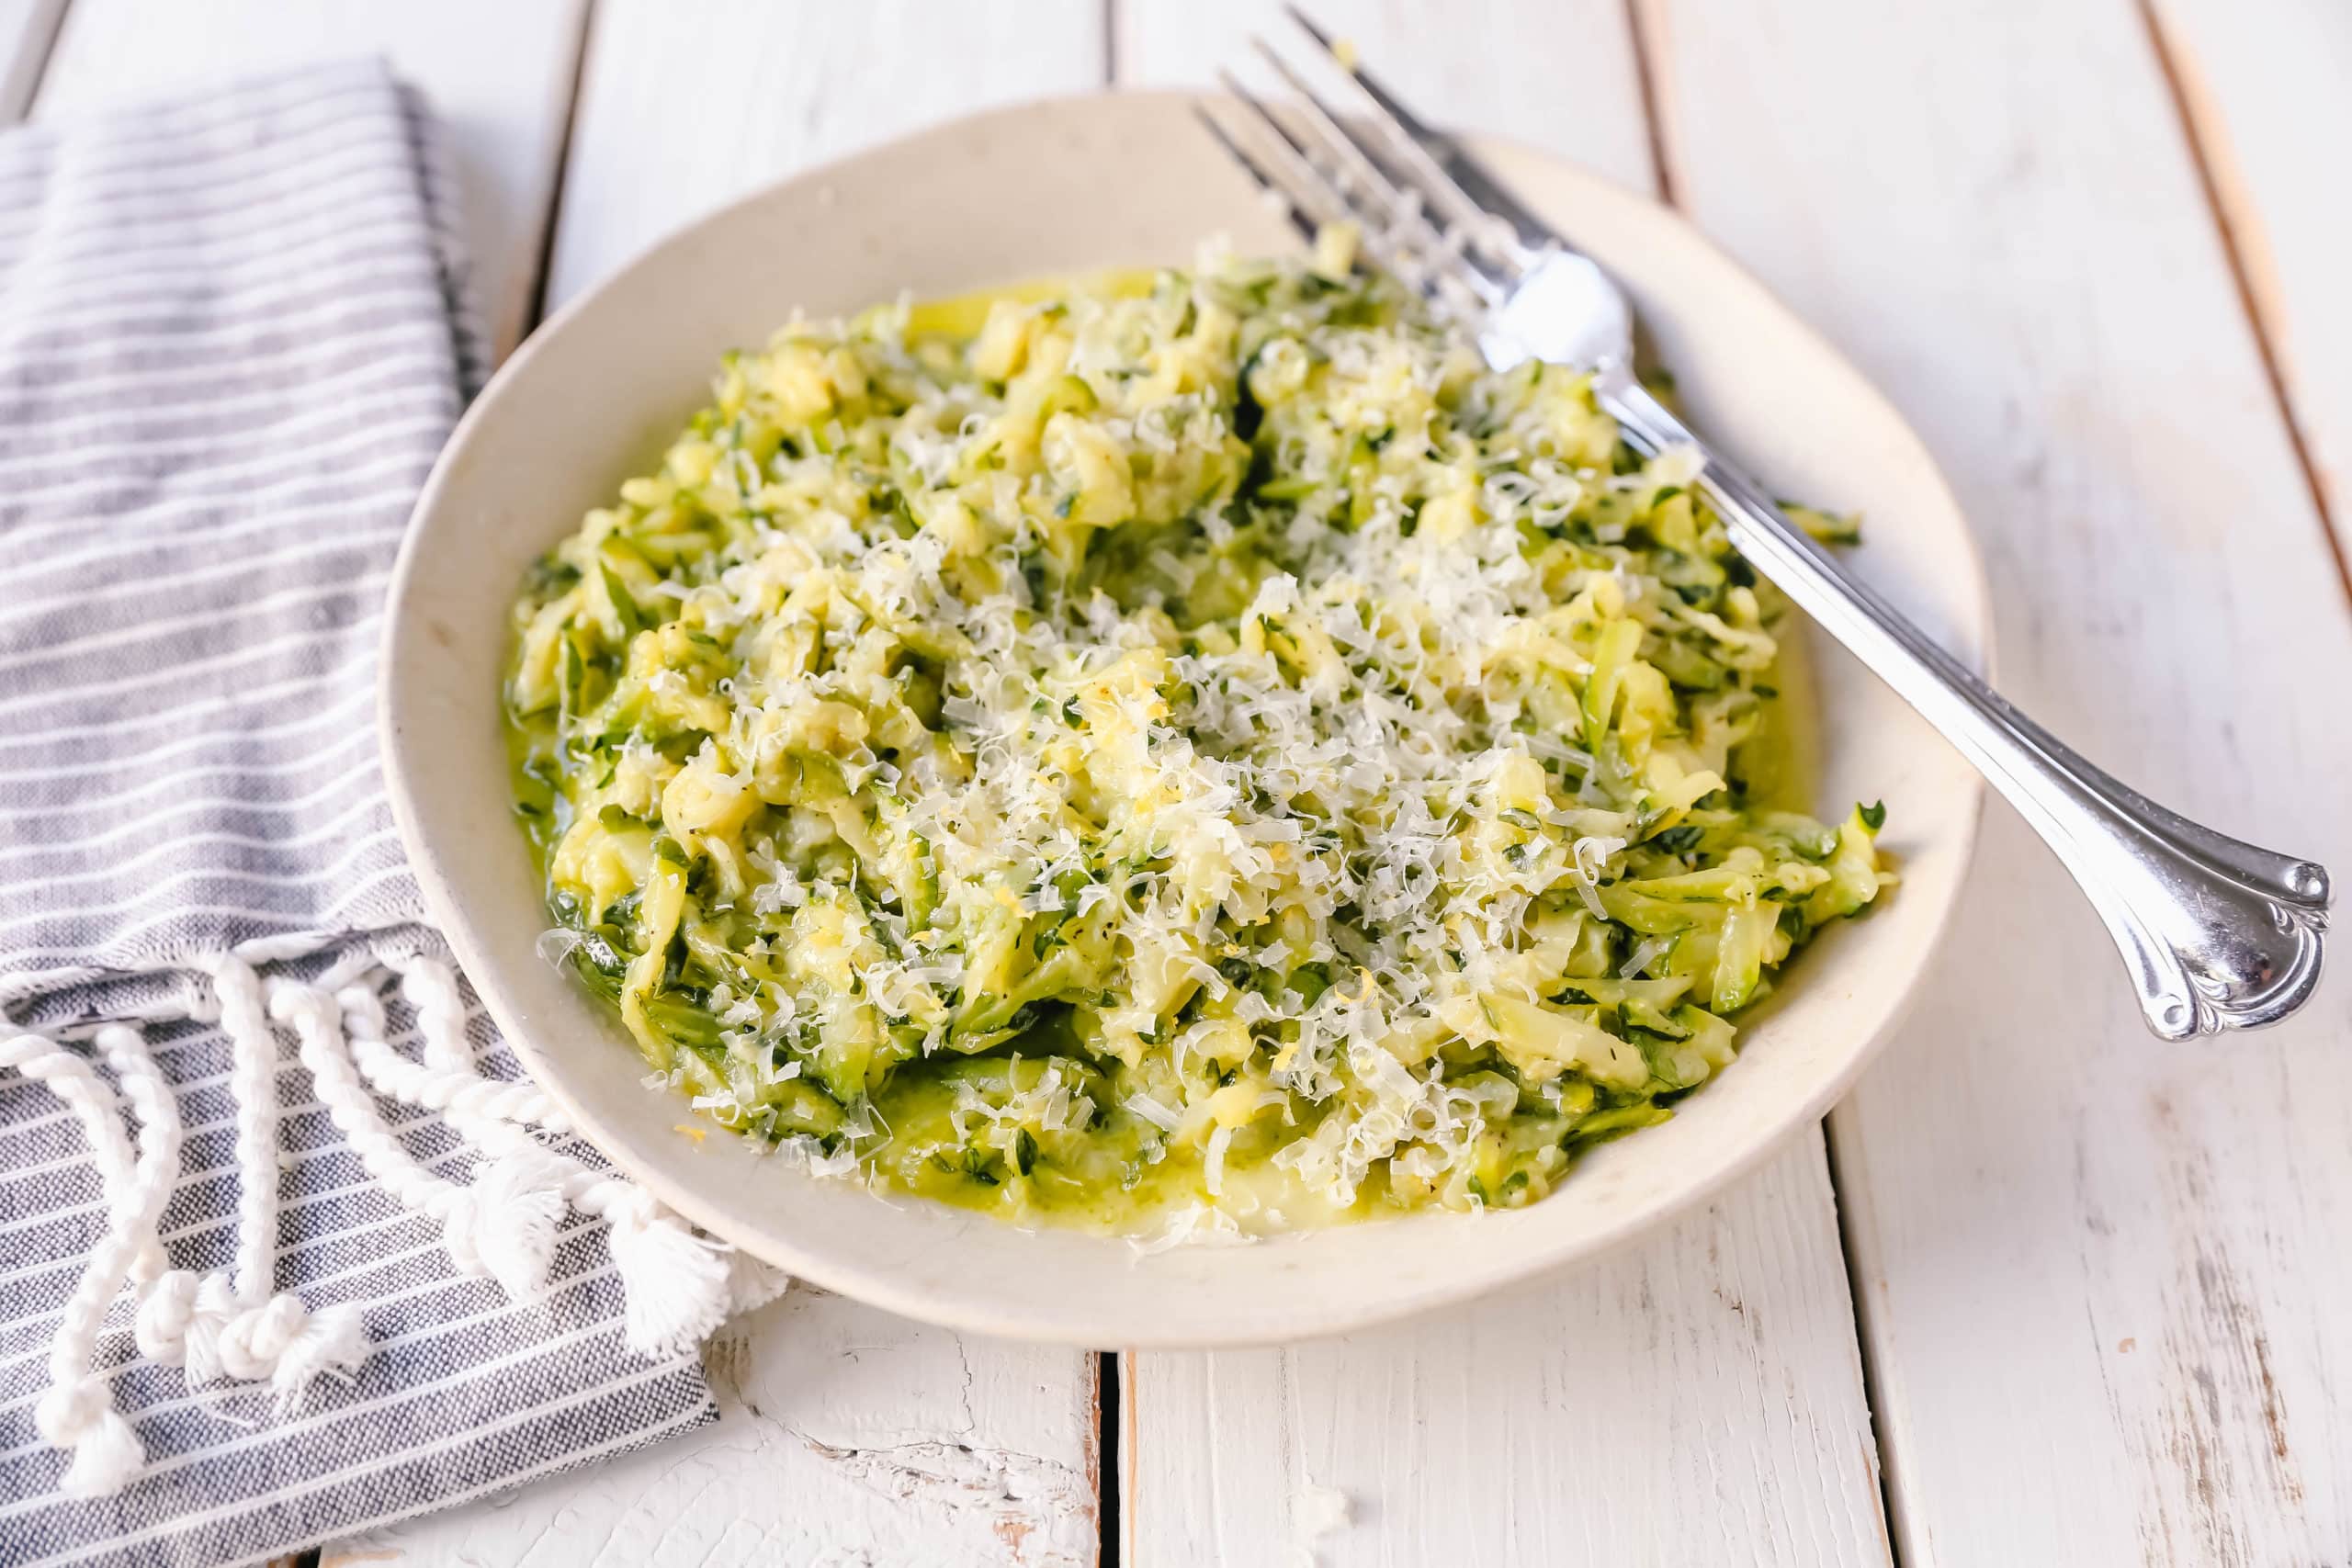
point(165, 1314)
point(678, 1286)
point(230, 1323)
point(503, 1225)
point(675, 1284)
point(215, 1303)
point(751, 1284)
point(224, 1326)
point(77, 1412)
point(292, 1347)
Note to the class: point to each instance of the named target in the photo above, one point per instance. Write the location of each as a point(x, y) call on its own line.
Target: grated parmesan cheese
point(1197, 753)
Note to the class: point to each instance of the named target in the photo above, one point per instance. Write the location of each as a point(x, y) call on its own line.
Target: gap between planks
point(29, 30)
point(2244, 247)
point(1647, 30)
point(1103, 1366)
point(1622, 135)
point(536, 310)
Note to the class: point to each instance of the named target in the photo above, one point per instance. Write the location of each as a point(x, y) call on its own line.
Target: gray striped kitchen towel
point(293, 1254)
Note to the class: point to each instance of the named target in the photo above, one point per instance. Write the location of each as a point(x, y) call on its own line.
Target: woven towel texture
point(232, 341)
point(228, 356)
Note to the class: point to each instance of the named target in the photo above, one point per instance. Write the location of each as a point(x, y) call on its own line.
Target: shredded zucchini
point(1197, 743)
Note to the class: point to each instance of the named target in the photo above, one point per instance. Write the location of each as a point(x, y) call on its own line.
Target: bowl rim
point(879, 1286)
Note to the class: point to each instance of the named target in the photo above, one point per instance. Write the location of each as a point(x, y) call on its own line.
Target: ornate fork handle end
point(2218, 935)
point(2254, 958)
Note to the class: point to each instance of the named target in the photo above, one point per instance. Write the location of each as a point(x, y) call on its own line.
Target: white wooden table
point(2043, 1291)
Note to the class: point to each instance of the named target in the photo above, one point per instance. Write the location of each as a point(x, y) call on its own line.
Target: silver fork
point(2218, 935)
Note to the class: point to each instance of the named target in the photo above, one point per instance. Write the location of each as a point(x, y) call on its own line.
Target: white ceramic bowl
point(1068, 187)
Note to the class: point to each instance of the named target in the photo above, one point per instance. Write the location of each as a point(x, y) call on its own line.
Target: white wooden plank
point(27, 29)
point(500, 77)
point(2102, 1275)
point(1695, 1399)
point(1559, 76)
point(1698, 1399)
point(2264, 85)
point(682, 110)
point(849, 1436)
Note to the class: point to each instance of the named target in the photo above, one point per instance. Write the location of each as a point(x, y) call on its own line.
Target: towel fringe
point(502, 1226)
point(77, 1412)
point(232, 1324)
point(678, 1286)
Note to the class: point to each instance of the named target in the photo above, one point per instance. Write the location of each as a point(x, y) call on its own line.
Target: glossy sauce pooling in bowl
point(1193, 744)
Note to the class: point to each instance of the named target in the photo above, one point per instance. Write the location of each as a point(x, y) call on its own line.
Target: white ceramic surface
point(1072, 185)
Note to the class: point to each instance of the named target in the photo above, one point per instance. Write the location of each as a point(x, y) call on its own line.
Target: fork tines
point(1374, 165)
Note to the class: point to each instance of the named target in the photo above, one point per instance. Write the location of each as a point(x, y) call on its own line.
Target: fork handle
point(2218, 935)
